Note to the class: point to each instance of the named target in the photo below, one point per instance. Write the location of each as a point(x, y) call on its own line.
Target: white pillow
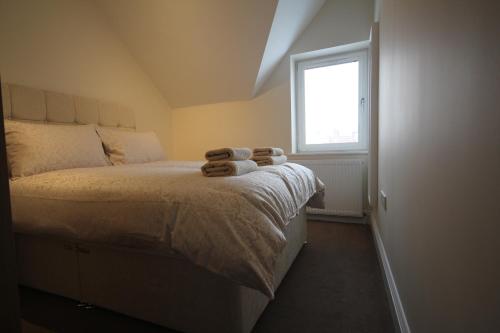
point(36, 148)
point(125, 147)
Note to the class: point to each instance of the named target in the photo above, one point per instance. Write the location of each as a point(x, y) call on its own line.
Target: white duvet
point(232, 226)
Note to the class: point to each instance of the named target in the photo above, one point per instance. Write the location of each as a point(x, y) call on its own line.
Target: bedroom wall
point(265, 120)
point(440, 160)
point(67, 46)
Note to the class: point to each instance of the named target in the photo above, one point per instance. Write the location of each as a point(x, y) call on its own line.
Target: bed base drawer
point(165, 290)
point(48, 264)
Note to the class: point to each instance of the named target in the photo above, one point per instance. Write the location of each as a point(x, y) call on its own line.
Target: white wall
point(67, 46)
point(266, 119)
point(440, 161)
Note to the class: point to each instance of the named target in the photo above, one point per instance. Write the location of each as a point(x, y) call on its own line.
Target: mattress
point(232, 226)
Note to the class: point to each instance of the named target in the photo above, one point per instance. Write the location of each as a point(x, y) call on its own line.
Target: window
point(329, 95)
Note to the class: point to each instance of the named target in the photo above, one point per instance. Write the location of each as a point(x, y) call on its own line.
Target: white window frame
point(326, 57)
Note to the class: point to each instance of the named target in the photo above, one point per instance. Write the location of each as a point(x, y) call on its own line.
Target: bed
point(156, 241)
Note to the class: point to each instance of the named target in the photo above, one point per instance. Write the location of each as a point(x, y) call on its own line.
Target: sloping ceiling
point(196, 51)
point(290, 19)
point(208, 51)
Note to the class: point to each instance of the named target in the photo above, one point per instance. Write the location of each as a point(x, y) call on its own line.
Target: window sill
point(325, 154)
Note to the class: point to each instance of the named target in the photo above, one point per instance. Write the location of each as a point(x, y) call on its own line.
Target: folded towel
point(268, 151)
point(228, 168)
point(228, 154)
point(269, 160)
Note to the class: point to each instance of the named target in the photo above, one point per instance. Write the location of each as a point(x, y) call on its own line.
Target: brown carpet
point(335, 285)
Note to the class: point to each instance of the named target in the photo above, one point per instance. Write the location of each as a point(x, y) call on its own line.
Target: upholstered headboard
point(25, 103)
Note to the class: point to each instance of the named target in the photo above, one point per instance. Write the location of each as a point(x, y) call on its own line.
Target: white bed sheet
point(232, 226)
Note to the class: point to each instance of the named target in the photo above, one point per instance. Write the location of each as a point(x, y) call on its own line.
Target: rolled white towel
point(269, 160)
point(268, 151)
point(228, 154)
point(228, 168)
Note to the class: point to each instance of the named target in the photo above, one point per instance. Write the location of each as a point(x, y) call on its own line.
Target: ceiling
point(208, 51)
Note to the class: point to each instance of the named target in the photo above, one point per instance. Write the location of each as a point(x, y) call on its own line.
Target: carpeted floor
point(335, 285)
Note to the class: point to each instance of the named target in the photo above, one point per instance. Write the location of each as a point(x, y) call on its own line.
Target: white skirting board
point(389, 277)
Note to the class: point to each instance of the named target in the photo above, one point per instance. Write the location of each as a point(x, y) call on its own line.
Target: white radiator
point(344, 185)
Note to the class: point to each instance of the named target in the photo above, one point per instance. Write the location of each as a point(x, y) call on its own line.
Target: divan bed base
point(166, 290)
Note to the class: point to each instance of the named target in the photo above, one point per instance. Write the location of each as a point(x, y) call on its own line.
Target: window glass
point(331, 95)
point(329, 100)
